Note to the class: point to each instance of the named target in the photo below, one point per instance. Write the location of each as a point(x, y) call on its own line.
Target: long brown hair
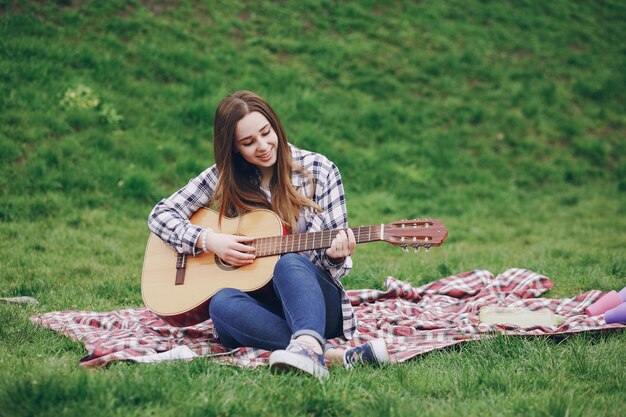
point(238, 189)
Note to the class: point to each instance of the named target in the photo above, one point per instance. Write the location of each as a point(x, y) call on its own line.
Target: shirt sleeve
point(331, 198)
point(169, 219)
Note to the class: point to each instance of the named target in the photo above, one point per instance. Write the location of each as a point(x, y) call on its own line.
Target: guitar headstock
point(416, 233)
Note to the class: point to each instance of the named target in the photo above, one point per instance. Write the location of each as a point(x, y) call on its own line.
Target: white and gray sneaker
point(299, 356)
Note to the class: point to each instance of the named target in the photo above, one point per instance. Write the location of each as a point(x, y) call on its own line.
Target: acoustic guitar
point(178, 287)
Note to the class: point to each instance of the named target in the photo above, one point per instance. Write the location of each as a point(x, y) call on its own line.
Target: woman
point(257, 168)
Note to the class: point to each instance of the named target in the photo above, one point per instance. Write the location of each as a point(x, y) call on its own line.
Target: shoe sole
point(283, 361)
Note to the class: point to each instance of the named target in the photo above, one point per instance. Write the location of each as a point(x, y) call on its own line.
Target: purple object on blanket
point(622, 294)
point(616, 315)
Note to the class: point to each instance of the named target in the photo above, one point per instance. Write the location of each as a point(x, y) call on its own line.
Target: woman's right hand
point(232, 249)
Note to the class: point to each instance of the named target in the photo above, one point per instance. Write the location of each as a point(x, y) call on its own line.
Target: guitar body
point(187, 303)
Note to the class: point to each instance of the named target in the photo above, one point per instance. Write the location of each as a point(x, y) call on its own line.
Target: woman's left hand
point(342, 245)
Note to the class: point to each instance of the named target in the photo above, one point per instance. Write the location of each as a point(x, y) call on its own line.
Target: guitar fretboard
point(277, 245)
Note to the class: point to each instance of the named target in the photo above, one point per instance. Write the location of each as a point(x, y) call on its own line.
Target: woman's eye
point(266, 132)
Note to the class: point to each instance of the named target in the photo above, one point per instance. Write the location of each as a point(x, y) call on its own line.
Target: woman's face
point(257, 142)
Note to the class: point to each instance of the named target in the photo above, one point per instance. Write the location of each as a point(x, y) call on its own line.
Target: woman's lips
point(266, 156)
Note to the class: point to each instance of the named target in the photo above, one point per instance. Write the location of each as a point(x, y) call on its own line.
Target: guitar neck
point(278, 245)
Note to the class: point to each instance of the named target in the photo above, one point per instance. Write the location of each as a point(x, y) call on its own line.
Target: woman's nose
point(262, 143)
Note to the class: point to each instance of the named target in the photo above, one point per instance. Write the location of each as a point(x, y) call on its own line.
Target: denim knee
point(222, 300)
point(289, 259)
point(285, 265)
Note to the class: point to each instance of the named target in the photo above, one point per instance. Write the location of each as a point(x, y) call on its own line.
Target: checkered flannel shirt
point(170, 217)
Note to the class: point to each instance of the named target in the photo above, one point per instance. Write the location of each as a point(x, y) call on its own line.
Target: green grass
point(505, 120)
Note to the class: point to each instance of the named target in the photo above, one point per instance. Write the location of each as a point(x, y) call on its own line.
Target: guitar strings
point(275, 245)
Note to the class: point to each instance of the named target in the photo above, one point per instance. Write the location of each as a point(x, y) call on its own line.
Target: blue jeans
point(307, 302)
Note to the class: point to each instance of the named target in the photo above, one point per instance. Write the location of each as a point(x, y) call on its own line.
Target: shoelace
point(355, 357)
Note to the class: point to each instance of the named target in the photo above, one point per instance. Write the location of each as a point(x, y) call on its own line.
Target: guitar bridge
point(181, 264)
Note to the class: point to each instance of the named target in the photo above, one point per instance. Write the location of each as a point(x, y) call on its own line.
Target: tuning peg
point(427, 247)
point(416, 248)
point(405, 248)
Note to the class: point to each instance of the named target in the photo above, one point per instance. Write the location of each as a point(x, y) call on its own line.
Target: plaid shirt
point(170, 217)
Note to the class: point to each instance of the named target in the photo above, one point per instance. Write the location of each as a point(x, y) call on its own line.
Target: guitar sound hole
point(223, 265)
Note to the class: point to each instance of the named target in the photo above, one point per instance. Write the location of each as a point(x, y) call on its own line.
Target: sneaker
point(299, 357)
point(373, 352)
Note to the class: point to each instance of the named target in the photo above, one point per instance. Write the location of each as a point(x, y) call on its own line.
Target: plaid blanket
point(412, 320)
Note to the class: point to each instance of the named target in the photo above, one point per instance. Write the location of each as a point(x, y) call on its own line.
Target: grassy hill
point(504, 119)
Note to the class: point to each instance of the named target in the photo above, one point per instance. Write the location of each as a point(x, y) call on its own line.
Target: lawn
point(503, 119)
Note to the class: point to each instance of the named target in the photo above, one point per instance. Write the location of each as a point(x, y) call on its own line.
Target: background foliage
point(503, 119)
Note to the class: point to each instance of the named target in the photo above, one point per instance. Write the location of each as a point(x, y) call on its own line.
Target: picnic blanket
point(412, 320)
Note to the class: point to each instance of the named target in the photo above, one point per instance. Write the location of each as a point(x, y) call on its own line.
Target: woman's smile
point(266, 156)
